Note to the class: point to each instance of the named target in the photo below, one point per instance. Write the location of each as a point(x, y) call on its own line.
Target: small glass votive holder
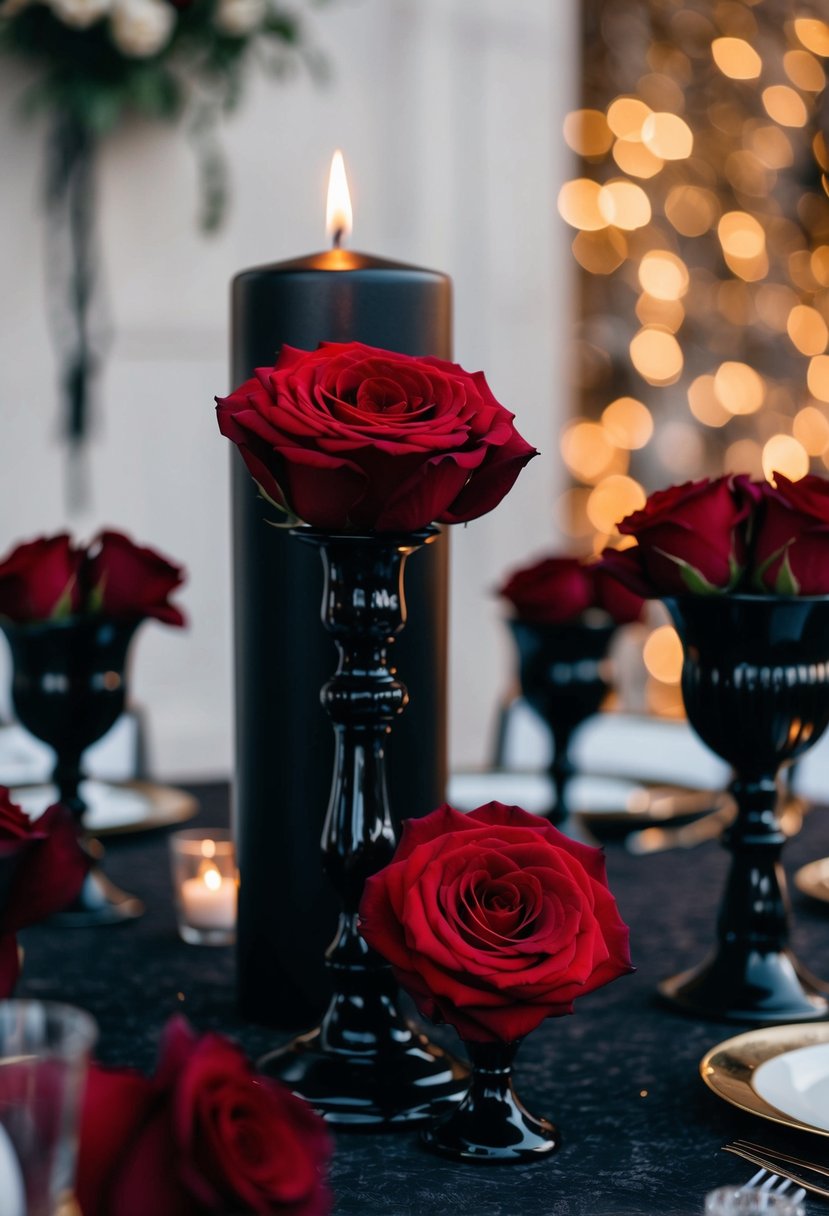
point(751, 1201)
point(44, 1049)
point(205, 885)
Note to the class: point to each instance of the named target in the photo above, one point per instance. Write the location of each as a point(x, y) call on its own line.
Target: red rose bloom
point(42, 869)
point(349, 437)
point(127, 581)
point(39, 580)
point(557, 590)
point(689, 538)
point(205, 1135)
point(791, 537)
point(494, 920)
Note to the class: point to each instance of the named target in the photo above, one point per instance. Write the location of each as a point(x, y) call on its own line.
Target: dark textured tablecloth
point(641, 1133)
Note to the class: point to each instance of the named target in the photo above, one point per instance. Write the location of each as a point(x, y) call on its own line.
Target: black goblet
point(365, 1066)
point(491, 1125)
point(755, 682)
point(68, 689)
point(563, 671)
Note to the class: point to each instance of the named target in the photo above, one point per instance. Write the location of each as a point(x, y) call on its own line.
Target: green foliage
point(85, 79)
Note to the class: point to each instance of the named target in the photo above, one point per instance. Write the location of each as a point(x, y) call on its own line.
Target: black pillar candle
point(284, 751)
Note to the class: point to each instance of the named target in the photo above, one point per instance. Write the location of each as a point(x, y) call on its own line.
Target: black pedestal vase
point(491, 1125)
point(563, 671)
point(68, 689)
point(364, 1065)
point(755, 682)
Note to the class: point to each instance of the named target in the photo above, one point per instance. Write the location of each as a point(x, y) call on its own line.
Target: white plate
point(116, 808)
point(534, 792)
point(797, 1083)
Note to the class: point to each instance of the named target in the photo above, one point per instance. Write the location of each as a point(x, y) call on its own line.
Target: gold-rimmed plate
point(729, 1068)
point(813, 879)
point(116, 809)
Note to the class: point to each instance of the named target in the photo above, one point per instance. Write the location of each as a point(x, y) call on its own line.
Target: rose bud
point(690, 538)
point(558, 590)
point(39, 580)
point(791, 537)
point(349, 437)
point(129, 582)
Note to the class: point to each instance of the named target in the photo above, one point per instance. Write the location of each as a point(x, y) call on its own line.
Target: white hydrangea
point(80, 13)
point(141, 28)
point(238, 18)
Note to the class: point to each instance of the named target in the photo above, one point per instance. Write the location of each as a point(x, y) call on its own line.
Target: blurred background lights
point(663, 655)
point(783, 454)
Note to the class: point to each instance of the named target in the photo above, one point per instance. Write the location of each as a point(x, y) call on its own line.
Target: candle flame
point(338, 216)
point(208, 848)
point(212, 879)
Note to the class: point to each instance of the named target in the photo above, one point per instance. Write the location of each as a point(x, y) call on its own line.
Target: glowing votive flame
point(338, 214)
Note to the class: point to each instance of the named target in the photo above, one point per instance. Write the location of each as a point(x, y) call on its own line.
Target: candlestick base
point(403, 1084)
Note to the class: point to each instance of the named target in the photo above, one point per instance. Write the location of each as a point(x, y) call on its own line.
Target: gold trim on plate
point(813, 879)
point(727, 1069)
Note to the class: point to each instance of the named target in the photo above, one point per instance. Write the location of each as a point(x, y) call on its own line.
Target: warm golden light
point(624, 204)
point(668, 136)
point(628, 422)
point(744, 456)
point(634, 158)
point(736, 58)
point(338, 215)
point(208, 848)
point(625, 117)
point(741, 235)
point(587, 451)
point(665, 314)
point(692, 209)
point(212, 879)
point(813, 34)
point(771, 146)
point(600, 252)
point(785, 106)
point(804, 70)
point(703, 402)
point(817, 377)
point(807, 330)
point(663, 655)
point(578, 204)
point(587, 132)
point(783, 454)
point(656, 355)
point(611, 500)
point(739, 388)
point(811, 429)
point(663, 275)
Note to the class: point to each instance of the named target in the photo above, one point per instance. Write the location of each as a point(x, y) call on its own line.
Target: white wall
point(449, 112)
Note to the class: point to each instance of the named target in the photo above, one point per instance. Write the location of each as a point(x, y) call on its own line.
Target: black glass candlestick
point(365, 1065)
point(491, 1124)
point(68, 689)
point(755, 682)
point(563, 671)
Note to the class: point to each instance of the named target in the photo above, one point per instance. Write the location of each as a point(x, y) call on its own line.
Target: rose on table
point(53, 578)
point(728, 535)
point(559, 589)
point(204, 1136)
point(42, 869)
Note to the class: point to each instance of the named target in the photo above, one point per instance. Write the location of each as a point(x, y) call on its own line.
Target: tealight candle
point(205, 882)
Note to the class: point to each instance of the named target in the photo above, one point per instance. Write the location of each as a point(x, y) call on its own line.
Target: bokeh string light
point(699, 210)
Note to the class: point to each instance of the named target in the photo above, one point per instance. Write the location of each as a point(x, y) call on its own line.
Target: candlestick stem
point(365, 1065)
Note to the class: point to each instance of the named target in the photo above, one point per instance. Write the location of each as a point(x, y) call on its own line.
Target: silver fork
point(764, 1180)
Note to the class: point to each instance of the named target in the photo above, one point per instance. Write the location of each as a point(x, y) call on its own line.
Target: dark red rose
point(42, 869)
point(127, 581)
point(557, 590)
point(791, 537)
point(39, 579)
point(494, 920)
point(349, 437)
point(691, 537)
point(204, 1135)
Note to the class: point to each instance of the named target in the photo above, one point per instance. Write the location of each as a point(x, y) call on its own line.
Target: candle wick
point(339, 233)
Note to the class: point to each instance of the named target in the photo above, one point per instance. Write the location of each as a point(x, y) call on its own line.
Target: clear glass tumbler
point(44, 1049)
point(205, 885)
point(742, 1201)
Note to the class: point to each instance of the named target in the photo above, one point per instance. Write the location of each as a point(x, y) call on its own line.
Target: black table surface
point(640, 1131)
